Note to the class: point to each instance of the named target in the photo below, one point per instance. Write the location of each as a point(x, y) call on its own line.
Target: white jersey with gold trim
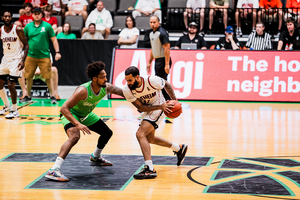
point(148, 93)
point(12, 45)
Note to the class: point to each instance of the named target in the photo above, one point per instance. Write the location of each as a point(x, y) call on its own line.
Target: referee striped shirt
point(259, 42)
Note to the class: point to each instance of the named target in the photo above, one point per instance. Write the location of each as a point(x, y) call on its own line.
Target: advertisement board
point(221, 75)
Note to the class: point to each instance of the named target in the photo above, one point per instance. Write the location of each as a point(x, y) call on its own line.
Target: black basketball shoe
point(145, 173)
point(181, 153)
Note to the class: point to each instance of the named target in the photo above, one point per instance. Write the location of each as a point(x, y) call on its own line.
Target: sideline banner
point(221, 75)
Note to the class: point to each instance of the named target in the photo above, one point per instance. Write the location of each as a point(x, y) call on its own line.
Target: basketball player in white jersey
point(146, 95)
point(12, 62)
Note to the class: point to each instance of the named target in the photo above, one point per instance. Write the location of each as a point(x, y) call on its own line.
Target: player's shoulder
point(155, 80)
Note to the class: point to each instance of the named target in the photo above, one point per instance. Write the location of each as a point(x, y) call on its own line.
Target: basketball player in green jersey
point(77, 116)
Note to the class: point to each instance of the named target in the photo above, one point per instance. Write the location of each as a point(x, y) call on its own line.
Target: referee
point(259, 39)
point(160, 50)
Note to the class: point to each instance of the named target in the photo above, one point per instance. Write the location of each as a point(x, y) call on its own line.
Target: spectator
point(67, 32)
point(192, 37)
point(293, 10)
point(92, 33)
point(270, 8)
point(245, 8)
point(35, 3)
point(194, 7)
point(259, 39)
point(129, 37)
point(217, 5)
point(289, 36)
point(39, 54)
point(147, 8)
point(51, 20)
point(27, 17)
point(102, 18)
point(77, 7)
point(229, 41)
point(58, 7)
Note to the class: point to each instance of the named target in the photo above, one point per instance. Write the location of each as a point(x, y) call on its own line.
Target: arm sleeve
point(178, 43)
point(250, 40)
point(156, 82)
point(128, 95)
point(269, 44)
point(54, 21)
point(122, 33)
point(164, 37)
point(136, 31)
point(50, 30)
point(83, 36)
point(202, 42)
point(109, 21)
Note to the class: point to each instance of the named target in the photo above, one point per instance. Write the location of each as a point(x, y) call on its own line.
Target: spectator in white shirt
point(147, 8)
point(92, 33)
point(102, 18)
point(243, 9)
point(129, 37)
point(58, 7)
point(77, 7)
point(195, 7)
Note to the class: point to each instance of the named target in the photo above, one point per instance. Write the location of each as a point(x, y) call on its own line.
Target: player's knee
point(139, 135)
point(109, 134)
point(74, 139)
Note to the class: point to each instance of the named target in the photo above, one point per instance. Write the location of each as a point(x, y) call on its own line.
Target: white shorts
point(10, 67)
point(153, 117)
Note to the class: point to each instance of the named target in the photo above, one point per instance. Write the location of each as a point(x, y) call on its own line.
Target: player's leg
point(54, 80)
point(23, 86)
point(105, 134)
point(73, 136)
point(148, 171)
point(13, 93)
point(7, 107)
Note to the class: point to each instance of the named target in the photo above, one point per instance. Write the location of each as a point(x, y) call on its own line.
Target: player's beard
point(134, 86)
point(7, 23)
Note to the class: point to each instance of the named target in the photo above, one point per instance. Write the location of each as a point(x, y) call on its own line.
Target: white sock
point(14, 106)
point(4, 97)
point(97, 152)
point(58, 162)
point(175, 147)
point(150, 164)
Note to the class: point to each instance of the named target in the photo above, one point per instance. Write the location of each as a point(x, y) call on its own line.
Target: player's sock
point(58, 162)
point(150, 164)
point(175, 147)
point(4, 97)
point(14, 106)
point(97, 152)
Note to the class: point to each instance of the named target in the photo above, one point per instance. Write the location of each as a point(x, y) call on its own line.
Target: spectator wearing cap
point(259, 39)
point(229, 41)
point(192, 37)
point(39, 53)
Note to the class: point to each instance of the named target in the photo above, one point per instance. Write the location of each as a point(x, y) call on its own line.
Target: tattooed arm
point(114, 89)
point(170, 91)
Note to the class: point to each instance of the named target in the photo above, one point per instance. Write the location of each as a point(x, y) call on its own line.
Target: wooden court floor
point(237, 150)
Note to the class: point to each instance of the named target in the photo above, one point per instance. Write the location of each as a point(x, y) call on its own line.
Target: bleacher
point(172, 18)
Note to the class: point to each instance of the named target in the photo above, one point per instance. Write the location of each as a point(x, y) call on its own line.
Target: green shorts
point(89, 120)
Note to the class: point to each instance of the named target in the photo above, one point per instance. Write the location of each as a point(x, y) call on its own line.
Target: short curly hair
point(94, 68)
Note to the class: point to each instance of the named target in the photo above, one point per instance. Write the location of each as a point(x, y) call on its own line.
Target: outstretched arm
point(23, 39)
point(114, 89)
point(170, 91)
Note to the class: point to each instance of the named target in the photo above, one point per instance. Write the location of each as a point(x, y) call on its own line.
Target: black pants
point(160, 71)
point(99, 127)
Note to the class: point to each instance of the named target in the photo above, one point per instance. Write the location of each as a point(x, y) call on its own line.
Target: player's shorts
point(153, 117)
point(10, 67)
point(160, 67)
point(32, 63)
point(89, 120)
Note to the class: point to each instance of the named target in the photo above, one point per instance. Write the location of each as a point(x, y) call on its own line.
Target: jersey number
point(8, 46)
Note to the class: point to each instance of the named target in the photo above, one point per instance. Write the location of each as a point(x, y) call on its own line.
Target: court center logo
point(276, 177)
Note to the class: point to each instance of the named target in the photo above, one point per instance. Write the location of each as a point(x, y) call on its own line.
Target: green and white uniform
point(82, 111)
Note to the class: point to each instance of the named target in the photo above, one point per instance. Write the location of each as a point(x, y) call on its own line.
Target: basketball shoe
point(12, 114)
point(56, 174)
point(100, 161)
point(5, 110)
point(181, 153)
point(26, 99)
point(146, 173)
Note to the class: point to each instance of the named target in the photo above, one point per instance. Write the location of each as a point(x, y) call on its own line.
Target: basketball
point(177, 110)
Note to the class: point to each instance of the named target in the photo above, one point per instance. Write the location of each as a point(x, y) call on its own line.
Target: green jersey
point(38, 39)
point(84, 107)
point(64, 36)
